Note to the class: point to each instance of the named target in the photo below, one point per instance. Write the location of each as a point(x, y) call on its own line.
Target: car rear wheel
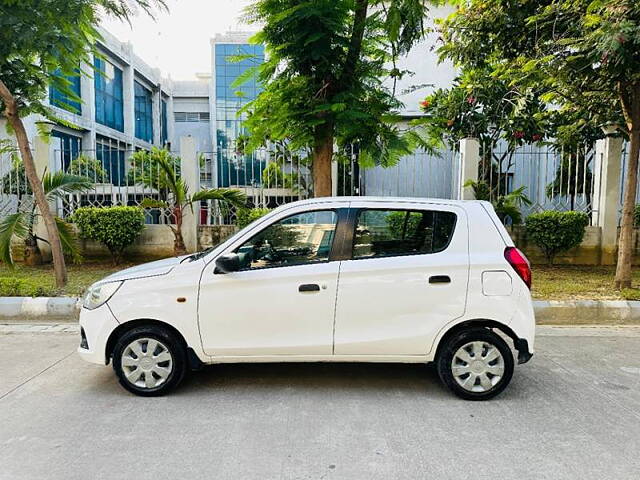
point(149, 361)
point(475, 364)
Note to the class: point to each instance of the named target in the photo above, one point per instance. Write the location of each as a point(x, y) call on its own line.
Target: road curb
point(587, 312)
point(548, 312)
point(48, 309)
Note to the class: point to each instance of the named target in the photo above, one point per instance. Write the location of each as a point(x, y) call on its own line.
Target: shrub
point(630, 294)
point(556, 232)
point(115, 227)
point(245, 216)
point(18, 287)
point(636, 216)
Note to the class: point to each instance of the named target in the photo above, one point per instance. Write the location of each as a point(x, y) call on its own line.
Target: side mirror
point(227, 263)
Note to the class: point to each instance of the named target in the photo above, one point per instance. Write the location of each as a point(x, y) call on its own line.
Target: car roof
point(373, 200)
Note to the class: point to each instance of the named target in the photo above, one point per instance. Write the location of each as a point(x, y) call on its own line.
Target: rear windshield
point(384, 233)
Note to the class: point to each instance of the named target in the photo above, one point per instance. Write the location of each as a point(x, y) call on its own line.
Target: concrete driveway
point(572, 412)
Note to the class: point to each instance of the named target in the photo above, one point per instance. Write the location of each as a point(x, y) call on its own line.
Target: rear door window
point(386, 233)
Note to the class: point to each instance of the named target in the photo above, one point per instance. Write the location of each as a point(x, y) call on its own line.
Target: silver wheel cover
point(146, 363)
point(477, 366)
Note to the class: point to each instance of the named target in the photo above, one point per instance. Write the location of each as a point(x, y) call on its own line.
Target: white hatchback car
point(330, 279)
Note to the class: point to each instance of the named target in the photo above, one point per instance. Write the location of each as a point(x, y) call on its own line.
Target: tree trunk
point(625, 245)
point(11, 112)
point(179, 247)
point(631, 107)
point(322, 157)
point(32, 255)
point(324, 133)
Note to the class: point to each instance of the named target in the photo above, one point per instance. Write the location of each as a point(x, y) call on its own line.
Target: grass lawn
point(580, 283)
point(549, 283)
point(40, 281)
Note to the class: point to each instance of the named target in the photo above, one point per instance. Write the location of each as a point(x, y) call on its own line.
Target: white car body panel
point(386, 306)
point(376, 310)
point(156, 298)
point(265, 314)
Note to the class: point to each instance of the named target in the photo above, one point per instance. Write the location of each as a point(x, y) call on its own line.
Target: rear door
point(407, 277)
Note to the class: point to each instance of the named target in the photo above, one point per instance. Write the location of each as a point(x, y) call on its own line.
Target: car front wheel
point(475, 364)
point(149, 361)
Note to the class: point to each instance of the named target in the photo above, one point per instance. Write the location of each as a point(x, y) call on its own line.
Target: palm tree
point(507, 206)
point(22, 223)
point(179, 197)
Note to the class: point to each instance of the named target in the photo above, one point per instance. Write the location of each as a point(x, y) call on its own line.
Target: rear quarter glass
point(502, 231)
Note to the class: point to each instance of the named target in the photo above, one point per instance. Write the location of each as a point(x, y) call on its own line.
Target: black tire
point(166, 339)
point(444, 363)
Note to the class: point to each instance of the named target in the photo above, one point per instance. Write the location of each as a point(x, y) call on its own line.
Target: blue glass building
point(233, 168)
point(143, 110)
point(61, 99)
point(108, 93)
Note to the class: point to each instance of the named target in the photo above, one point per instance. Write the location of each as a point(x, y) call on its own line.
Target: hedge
point(115, 227)
point(556, 232)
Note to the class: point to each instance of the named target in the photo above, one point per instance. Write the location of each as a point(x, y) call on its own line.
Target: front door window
point(296, 240)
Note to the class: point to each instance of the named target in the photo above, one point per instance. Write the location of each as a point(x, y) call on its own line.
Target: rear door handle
point(309, 287)
point(440, 279)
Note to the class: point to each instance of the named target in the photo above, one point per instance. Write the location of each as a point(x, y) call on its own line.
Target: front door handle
point(309, 287)
point(439, 279)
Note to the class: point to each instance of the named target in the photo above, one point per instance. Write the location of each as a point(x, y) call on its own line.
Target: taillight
point(519, 263)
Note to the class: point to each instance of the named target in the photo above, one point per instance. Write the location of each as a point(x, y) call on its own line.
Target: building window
point(110, 153)
point(164, 136)
point(60, 99)
point(191, 116)
point(70, 148)
point(229, 100)
point(108, 86)
point(143, 113)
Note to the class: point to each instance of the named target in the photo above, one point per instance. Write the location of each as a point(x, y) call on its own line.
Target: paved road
point(572, 412)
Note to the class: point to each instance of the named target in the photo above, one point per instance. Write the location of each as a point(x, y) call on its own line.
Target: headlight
point(99, 293)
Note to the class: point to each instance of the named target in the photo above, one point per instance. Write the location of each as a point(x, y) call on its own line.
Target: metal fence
point(120, 177)
point(270, 177)
point(553, 179)
point(421, 174)
point(624, 169)
point(550, 178)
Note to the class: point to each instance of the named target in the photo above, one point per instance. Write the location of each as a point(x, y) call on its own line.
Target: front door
point(407, 278)
point(282, 301)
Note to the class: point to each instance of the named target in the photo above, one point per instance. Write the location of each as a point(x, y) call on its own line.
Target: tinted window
point(295, 240)
point(383, 233)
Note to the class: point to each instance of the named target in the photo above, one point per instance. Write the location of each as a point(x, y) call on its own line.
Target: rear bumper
point(96, 326)
point(522, 346)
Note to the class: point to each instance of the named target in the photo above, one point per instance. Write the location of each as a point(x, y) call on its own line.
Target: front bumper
point(96, 326)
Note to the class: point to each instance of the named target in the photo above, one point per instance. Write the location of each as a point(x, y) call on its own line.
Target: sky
point(178, 42)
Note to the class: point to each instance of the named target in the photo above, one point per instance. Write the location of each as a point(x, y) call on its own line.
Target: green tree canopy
point(324, 77)
point(585, 53)
point(42, 43)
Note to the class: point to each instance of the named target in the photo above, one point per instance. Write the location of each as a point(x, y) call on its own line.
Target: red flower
point(518, 134)
point(471, 100)
point(536, 137)
point(425, 104)
point(621, 39)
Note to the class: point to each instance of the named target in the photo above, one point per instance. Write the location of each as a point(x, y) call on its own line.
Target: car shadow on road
point(316, 376)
